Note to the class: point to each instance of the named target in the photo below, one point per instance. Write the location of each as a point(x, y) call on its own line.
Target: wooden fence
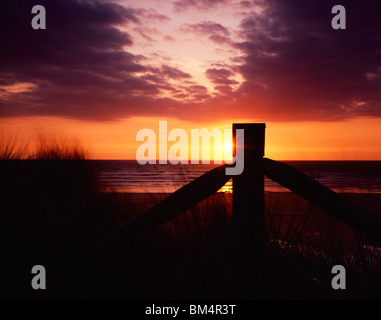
point(248, 221)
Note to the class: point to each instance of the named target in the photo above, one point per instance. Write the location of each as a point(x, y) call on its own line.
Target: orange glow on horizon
point(356, 139)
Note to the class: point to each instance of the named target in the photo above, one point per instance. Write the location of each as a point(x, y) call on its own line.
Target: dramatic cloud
point(78, 67)
point(282, 61)
point(162, 77)
point(75, 64)
point(216, 32)
point(222, 80)
point(298, 67)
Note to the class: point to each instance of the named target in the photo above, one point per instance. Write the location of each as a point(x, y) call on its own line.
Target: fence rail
point(248, 194)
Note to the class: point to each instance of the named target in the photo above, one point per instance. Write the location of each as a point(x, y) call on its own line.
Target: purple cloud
point(181, 5)
point(78, 66)
point(207, 28)
point(294, 65)
point(221, 40)
point(220, 76)
point(174, 73)
point(298, 67)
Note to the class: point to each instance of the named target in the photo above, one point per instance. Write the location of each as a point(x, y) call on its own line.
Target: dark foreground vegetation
point(53, 213)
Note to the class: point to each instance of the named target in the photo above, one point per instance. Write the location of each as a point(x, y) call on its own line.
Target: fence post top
point(249, 125)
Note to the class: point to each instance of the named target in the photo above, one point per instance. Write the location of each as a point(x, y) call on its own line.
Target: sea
point(130, 176)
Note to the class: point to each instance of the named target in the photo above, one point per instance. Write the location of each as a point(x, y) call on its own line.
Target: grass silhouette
point(54, 213)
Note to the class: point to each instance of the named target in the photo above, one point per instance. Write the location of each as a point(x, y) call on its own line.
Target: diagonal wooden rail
point(333, 203)
point(181, 200)
point(248, 194)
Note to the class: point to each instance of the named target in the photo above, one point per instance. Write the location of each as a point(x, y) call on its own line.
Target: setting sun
point(228, 151)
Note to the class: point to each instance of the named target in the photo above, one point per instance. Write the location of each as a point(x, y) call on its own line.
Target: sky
point(103, 70)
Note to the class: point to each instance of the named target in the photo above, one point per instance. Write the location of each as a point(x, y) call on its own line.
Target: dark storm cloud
point(161, 77)
point(294, 65)
point(78, 66)
point(298, 67)
point(196, 92)
point(220, 76)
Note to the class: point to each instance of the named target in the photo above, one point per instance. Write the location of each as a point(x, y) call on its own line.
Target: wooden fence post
point(248, 188)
